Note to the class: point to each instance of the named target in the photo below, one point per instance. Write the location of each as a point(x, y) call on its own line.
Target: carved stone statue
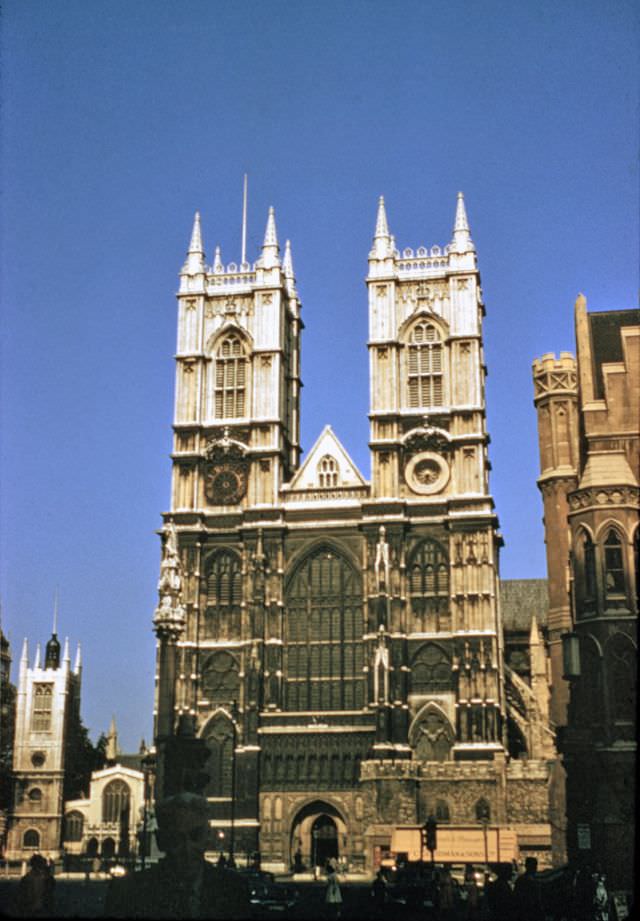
point(381, 565)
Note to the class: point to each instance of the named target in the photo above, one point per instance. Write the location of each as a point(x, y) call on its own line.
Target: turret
point(462, 242)
point(195, 254)
point(270, 249)
point(383, 243)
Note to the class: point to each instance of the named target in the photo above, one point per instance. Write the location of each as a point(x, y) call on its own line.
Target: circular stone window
point(38, 759)
point(427, 473)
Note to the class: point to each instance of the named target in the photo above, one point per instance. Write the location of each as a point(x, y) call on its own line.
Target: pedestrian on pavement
point(473, 894)
point(183, 884)
point(500, 898)
point(528, 897)
point(600, 897)
point(445, 895)
point(333, 895)
point(35, 894)
point(379, 892)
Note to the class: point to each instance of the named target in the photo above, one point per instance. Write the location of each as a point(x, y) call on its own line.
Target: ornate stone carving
point(427, 473)
point(169, 619)
point(226, 470)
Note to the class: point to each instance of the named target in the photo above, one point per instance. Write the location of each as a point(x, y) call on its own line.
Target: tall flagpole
point(55, 611)
point(244, 222)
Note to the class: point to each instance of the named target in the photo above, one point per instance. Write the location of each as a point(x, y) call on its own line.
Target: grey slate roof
point(522, 599)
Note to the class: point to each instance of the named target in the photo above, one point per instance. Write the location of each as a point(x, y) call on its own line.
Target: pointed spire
point(36, 663)
point(462, 242)
point(77, 665)
point(195, 254)
point(287, 262)
point(55, 612)
point(65, 655)
point(382, 227)
point(24, 658)
point(195, 246)
point(111, 752)
point(217, 260)
point(537, 653)
point(270, 247)
point(382, 240)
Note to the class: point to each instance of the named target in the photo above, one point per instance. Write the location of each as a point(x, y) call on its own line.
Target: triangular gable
point(317, 471)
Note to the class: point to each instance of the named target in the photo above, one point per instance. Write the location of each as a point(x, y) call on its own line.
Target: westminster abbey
point(339, 642)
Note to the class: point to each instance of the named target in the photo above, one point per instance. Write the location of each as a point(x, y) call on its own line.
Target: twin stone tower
point(337, 642)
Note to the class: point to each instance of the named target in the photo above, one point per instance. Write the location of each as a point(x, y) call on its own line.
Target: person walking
point(333, 895)
point(470, 887)
point(35, 896)
point(528, 898)
point(500, 898)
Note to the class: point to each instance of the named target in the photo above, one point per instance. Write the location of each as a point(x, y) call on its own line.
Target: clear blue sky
point(120, 119)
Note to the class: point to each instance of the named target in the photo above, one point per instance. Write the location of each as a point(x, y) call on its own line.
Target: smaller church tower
point(48, 696)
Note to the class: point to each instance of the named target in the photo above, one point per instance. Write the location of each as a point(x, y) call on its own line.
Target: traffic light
point(430, 830)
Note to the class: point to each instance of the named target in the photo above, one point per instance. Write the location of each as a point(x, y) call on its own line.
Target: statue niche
point(431, 735)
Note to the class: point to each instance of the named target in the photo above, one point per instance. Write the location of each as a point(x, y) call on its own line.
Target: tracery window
point(323, 629)
point(73, 825)
point(587, 698)
point(431, 670)
point(328, 471)
point(425, 366)
point(589, 552)
point(621, 672)
point(115, 801)
point(42, 703)
point(429, 586)
point(224, 596)
point(220, 681)
point(230, 378)
point(219, 739)
point(614, 583)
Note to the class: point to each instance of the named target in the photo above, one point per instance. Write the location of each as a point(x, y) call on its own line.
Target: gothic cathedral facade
point(337, 641)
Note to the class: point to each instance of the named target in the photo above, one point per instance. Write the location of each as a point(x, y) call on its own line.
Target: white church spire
point(195, 254)
point(462, 242)
point(382, 239)
point(270, 248)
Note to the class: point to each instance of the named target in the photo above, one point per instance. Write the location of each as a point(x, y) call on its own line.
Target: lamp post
point(234, 730)
point(484, 818)
point(221, 842)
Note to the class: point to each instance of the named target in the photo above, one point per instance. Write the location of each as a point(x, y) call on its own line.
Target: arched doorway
point(324, 836)
point(318, 833)
point(108, 848)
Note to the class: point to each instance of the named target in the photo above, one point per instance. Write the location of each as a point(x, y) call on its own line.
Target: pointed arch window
point(328, 471)
point(483, 811)
point(442, 813)
point(219, 739)
point(115, 801)
point(73, 826)
point(621, 672)
point(224, 596)
point(230, 378)
point(42, 704)
point(429, 586)
point(31, 839)
point(323, 628)
point(614, 582)
point(589, 554)
point(431, 670)
point(220, 681)
point(425, 366)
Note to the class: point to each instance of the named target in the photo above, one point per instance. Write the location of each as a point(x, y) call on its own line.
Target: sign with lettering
point(584, 836)
point(459, 844)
